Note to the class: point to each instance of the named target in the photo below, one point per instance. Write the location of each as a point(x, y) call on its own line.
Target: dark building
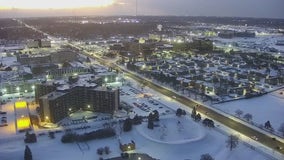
point(56, 105)
point(43, 89)
point(232, 34)
point(31, 59)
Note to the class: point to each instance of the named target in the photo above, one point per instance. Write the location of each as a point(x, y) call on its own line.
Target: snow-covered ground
point(177, 143)
point(268, 107)
point(174, 137)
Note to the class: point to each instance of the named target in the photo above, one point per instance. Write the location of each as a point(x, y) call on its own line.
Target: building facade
point(58, 104)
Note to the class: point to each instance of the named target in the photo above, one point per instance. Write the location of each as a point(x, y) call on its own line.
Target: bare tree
point(239, 112)
point(248, 117)
point(206, 156)
point(232, 142)
point(281, 129)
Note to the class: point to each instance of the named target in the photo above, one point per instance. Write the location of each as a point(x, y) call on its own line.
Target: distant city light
point(18, 88)
point(33, 87)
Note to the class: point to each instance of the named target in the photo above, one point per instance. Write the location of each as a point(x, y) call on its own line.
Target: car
point(3, 125)
point(278, 147)
point(254, 138)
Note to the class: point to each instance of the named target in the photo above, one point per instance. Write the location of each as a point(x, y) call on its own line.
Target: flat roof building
point(58, 99)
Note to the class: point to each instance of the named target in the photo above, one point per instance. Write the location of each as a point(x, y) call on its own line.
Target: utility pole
point(136, 8)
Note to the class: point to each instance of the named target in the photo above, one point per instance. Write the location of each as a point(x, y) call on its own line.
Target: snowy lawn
point(190, 142)
point(268, 107)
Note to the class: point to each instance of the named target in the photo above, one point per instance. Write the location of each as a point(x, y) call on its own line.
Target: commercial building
point(39, 43)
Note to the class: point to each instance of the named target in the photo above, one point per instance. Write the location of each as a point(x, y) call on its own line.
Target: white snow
point(268, 107)
point(170, 140)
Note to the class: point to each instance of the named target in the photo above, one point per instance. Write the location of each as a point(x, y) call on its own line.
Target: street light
point(33, 87)
point(18, 89)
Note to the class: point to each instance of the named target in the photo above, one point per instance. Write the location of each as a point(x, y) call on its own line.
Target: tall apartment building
point(58, 104)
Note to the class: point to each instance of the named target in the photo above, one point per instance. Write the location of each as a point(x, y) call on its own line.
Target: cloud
point(236, 8)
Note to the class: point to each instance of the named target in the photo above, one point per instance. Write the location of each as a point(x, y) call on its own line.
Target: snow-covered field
point(188, 142)
point(268, 107)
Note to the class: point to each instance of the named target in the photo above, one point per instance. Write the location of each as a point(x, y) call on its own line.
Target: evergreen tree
point(193, 113)
point(156, 115)
point(197, 117)
point(150, 124)
point(179, 112)
point(28, 153)
point(127, 125)
point(267, 125)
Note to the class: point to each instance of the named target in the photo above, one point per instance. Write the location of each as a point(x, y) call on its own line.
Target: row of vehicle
point(134, 91)
point(143, 107)
point(153, 102)
point(123, 93)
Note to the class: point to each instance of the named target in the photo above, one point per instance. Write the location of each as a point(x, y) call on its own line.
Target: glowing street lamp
point(89, 106)
point(18, 89)
point(33, 87)
point(106, 79)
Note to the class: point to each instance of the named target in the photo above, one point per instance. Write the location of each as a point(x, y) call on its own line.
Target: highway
point(231, 123)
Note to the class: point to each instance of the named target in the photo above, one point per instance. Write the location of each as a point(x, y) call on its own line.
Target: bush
point(208, 122)
point(100, 151)
point(127, 125)
point(69, 138)
point(137, 120)
point(179, 112)
point(98, 134)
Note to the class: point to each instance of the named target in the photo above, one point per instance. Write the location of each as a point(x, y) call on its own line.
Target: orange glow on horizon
point(54, 4)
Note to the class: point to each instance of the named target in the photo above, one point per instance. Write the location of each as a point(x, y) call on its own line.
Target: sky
point(223, 8)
